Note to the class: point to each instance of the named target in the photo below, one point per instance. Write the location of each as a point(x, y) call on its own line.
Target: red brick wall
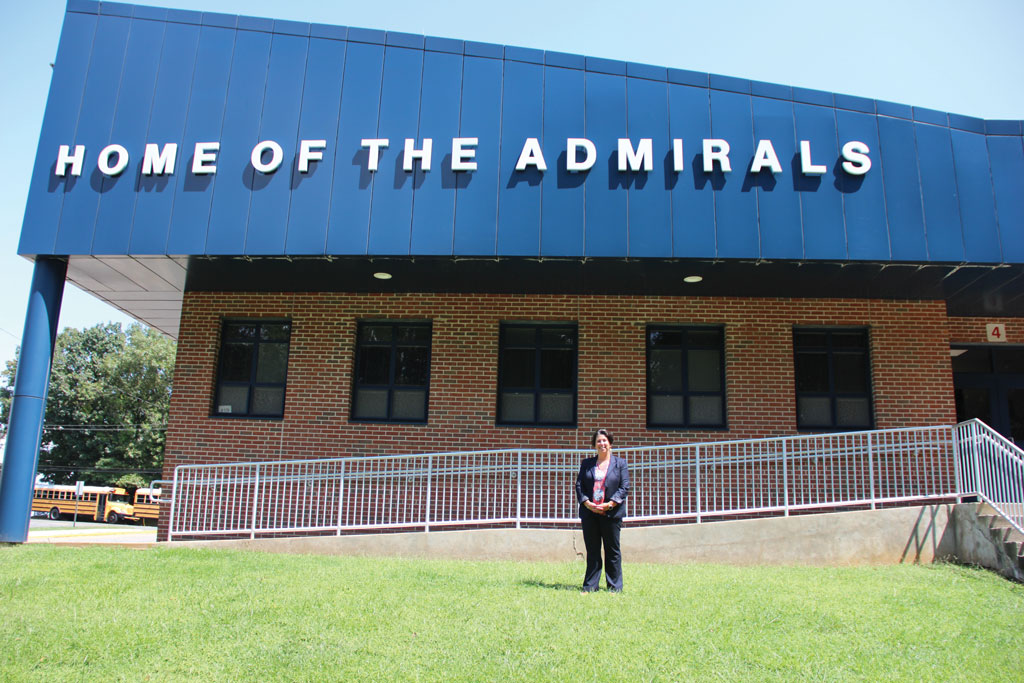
point(911, 372)
point(972, 330)
point(912, 380)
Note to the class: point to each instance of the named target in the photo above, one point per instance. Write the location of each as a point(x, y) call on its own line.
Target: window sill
point(830, 429)
point(536, 425)
point(237, 416)
point(689, 428)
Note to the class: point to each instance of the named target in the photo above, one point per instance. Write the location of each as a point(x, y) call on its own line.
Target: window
point(253, 367)
point(537, 374)
point(685, 377)
point(392, 372)
point(833, 379)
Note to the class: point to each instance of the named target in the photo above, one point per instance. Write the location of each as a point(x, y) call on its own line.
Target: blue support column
point(28, 407)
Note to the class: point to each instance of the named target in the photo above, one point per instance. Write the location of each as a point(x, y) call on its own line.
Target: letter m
point(157, 161)
point(640, 160)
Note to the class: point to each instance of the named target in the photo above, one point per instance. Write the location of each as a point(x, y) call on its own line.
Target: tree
point(107, 404)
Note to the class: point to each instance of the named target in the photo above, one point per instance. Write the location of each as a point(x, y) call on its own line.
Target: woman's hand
point(599, 509)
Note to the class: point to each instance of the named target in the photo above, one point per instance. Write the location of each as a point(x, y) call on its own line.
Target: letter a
point(765, 156)
point(531, 156)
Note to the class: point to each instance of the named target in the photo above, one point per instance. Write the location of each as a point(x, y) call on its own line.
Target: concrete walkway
point(68, 532)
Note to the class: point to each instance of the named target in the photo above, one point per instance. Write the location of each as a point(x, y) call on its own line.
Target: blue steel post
point(28, 406)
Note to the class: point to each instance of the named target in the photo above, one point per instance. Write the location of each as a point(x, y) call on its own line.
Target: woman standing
point(601, 489)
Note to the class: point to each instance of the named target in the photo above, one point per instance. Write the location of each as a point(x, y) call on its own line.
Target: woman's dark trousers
point(600, 530)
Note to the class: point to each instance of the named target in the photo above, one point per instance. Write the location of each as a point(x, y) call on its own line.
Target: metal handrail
point(776, 475)
point(992, 468)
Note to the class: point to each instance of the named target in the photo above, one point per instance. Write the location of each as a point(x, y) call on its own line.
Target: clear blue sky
point(954, 56)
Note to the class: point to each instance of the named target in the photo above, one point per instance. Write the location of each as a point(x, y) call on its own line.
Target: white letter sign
point(765, 156)
point(276, 156)
point(857, 161)
point(461, 156)
point(309, 150)
point(159, 161)
point(103, 162)
point(581, 154)
point(641, 159)
point(374, 145)
point(412, 153)
point(572, 162)
point(531, 155)
point(205, 158)
point(677, 155)
point(75, 160)
point(806, 167)
point(716, 150)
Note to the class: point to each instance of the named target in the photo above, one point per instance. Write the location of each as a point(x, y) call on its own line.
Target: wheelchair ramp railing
point(528, 487)
point(992, 468)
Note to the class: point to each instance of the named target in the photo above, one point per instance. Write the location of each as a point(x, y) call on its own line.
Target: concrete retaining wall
point(915, 534)
point(984, 540)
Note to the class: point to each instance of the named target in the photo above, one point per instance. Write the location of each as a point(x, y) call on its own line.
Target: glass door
point(989, 385)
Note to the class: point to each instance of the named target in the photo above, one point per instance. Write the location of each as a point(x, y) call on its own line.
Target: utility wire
point(97, 424)
point(101, 428)
point(86, 468)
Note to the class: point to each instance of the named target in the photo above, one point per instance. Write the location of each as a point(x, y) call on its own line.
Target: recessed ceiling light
point(382, 275)
point(692, 279)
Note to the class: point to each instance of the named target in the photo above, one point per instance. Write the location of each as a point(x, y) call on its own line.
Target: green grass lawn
point(76, 614)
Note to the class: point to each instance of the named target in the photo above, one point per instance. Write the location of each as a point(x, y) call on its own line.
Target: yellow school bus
point(147, 503)
point(99, 503)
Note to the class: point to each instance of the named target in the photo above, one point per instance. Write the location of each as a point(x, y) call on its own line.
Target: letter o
point(103, 162)
point(276, 156)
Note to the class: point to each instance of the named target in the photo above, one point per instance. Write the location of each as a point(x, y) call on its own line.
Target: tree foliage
point(107, 404)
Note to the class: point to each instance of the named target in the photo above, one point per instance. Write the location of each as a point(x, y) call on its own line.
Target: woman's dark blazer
point(616, 485)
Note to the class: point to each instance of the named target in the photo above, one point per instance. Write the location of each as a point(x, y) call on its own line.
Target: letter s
point(857, 161)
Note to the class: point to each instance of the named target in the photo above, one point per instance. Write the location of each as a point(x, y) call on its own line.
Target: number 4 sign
point(995, 332)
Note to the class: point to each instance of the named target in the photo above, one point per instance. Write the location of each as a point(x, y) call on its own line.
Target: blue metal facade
point(942, 188)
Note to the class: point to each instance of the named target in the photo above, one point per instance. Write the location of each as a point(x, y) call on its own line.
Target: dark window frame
point(390, 387)
point(251, 383)
point(537, 390)
point(686, 393)
point(831, 349)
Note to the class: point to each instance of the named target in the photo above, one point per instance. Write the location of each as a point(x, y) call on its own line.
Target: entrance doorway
point(989, 385)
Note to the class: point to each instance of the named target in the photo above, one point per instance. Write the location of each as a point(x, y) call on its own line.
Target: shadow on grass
point(532, 583)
